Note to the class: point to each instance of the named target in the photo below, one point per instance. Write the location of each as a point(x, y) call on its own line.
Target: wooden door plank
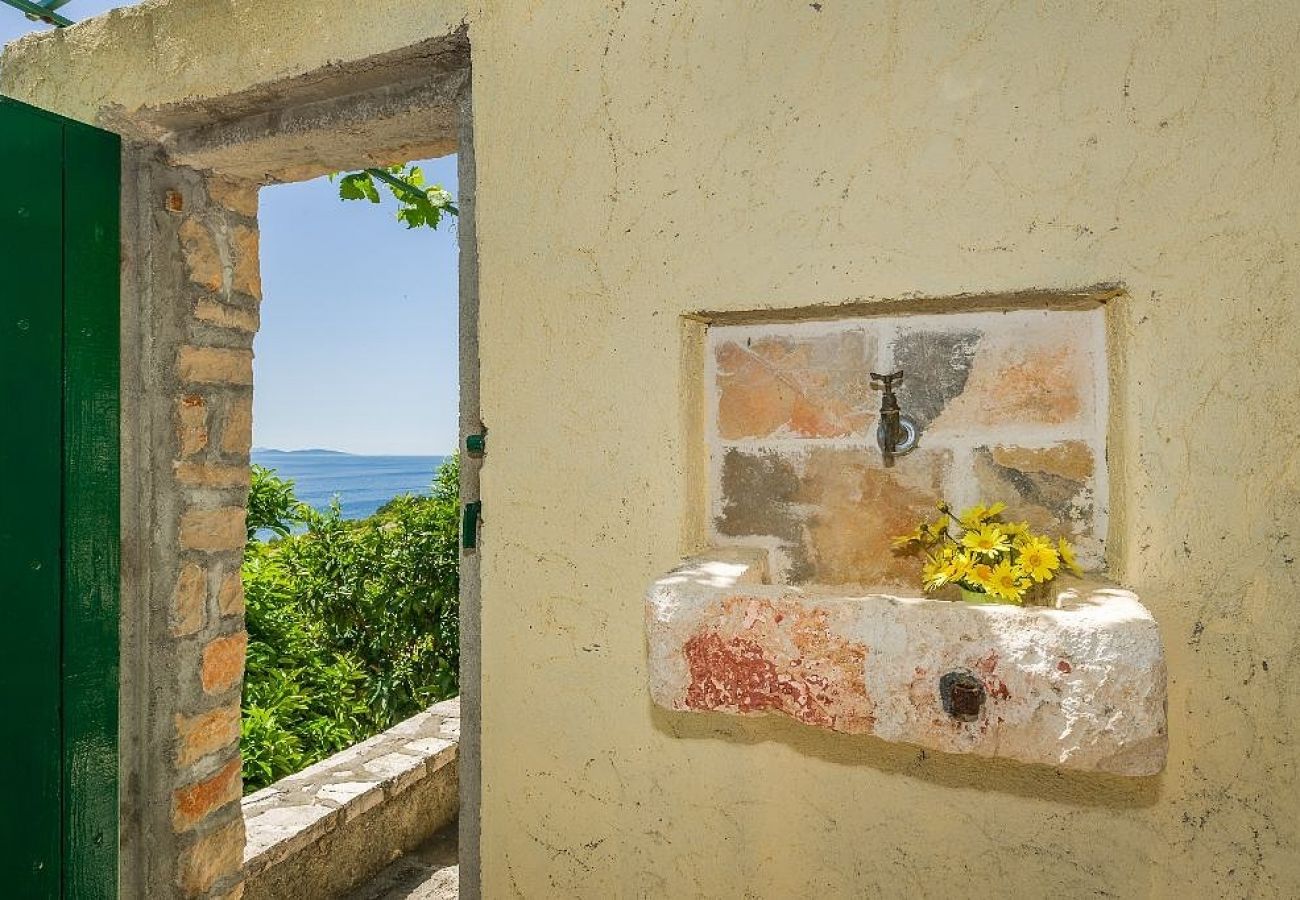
point(31, 314)
point(92, 168)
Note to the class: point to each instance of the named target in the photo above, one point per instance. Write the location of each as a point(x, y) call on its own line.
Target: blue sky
point(357, 349)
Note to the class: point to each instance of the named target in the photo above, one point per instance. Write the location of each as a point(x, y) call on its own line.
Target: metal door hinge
point(469, 524)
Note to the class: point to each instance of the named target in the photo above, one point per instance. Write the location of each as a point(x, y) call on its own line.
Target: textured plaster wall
point(639, 161)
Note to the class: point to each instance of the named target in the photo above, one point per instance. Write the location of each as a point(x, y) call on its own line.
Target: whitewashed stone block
point(1079, 686)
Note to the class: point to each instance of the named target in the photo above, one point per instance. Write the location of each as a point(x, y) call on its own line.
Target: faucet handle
point(887, 379)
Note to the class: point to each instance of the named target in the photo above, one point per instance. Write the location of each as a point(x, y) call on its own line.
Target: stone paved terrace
point(430, 872)
point(343, 820)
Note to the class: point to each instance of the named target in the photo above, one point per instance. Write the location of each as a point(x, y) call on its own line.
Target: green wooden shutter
point(59, 345)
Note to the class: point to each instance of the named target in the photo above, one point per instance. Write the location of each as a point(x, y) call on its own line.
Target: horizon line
point(341, 452)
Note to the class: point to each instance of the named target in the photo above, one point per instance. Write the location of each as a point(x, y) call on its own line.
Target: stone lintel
point(1078, 686)
point(174, 66)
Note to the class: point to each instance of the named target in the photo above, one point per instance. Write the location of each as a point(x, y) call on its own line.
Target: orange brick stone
point(835, 511)
point(1068, 459)
point(230, 598)
point(192, 424)
point(189, 600)
point(856, 509)
point(226, 315)
point(247, 278)
point(212, 857)
point(1051, 488)
point(237, 432)
point(194, 802)
point(234, 194)
point(211, 475)
point(223, 663)
point(215, 365)
point(207, 733)
point(212, 530)
point(202, 259)
point(1024, 377)
point(811, 387)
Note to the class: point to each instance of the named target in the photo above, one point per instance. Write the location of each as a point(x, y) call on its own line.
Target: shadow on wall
point(943, 769)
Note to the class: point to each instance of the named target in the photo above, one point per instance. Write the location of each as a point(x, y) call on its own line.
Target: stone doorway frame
point(192, 164)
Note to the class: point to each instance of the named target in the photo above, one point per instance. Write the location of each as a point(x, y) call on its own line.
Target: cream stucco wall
point(640, 161)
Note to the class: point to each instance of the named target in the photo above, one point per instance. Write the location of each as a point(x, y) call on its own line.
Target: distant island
point(363, 483)
point(325, 451)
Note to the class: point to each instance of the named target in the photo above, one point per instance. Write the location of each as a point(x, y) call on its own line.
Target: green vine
point(418, 205)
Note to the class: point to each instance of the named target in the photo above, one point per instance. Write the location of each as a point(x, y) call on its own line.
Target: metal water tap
point(896, 434)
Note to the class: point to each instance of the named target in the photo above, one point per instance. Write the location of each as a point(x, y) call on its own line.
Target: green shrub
point(353, 625)
point(272, 505)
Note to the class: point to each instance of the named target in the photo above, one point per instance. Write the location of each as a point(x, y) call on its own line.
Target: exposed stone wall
point(219, 243)
point(1011, 407)
point(197, 273)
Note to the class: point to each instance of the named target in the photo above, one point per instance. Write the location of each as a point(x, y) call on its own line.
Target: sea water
point(362, 483)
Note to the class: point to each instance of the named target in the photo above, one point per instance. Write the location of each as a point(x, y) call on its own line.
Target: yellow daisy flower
point(1067, 556)
point(1039, 560)
point(979, 514)
point(1018, 531)
point(905, 541)
point(934, 573)
point(1008, 582)
point(987, 541)
point(959, 567)
point(980, 575)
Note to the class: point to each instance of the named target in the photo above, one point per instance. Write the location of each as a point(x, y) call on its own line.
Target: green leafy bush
point(272, 505)
point(353, 624)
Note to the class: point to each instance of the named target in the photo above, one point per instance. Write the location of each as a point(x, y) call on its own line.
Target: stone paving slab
point(431, 872)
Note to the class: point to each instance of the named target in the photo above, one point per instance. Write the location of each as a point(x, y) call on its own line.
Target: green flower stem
point(398, 184)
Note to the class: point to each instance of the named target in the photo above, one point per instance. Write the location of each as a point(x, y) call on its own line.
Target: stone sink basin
point(1078, 686)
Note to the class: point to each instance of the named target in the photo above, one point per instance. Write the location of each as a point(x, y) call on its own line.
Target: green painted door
point(59, 338)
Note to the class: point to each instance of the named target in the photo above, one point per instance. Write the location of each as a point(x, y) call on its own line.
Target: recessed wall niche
point(1011, 405)
point(795, 604)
